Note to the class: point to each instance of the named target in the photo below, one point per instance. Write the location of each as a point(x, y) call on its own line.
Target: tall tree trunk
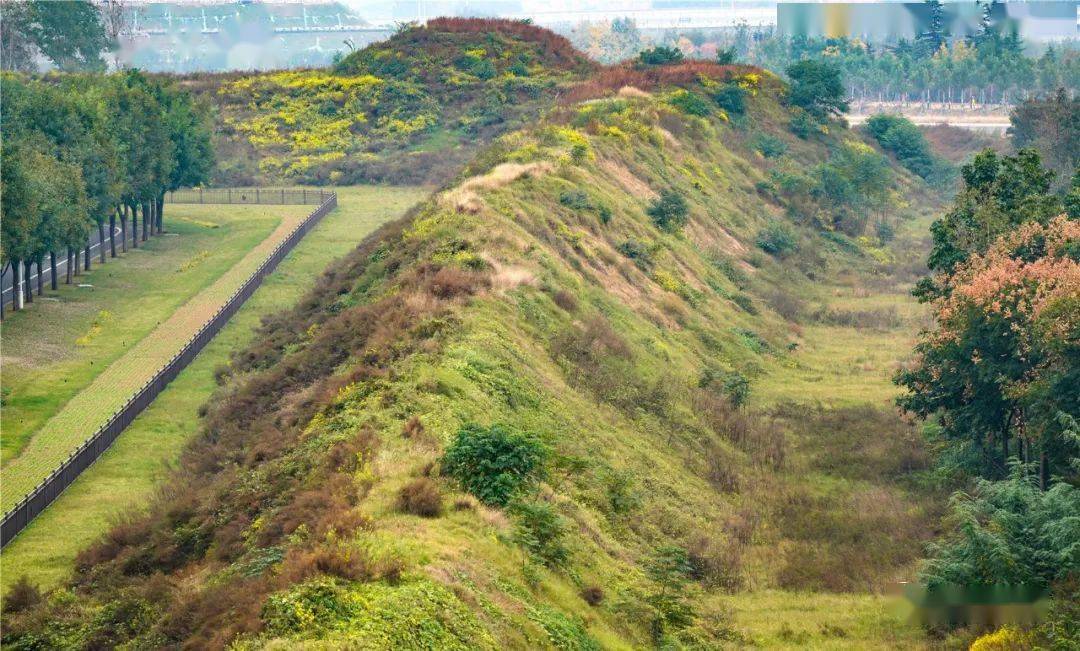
point(16, 284)
point(67, 281)
point(2, 301)
point(41, 276)
point(1044, 469)
point(112, 233)
point(161, 213)
point(27, 285)
point(101, 239)
point(134, 225)
point(145, 221)
point(123, 230)
point(86, 256)
point(52, 270)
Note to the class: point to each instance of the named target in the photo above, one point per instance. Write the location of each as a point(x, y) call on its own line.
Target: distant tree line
point(993, 69)
point(84, 150)
point(70, 34)
point(989, 67)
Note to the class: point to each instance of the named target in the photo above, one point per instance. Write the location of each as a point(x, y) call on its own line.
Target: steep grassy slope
point(537, 292)
point(411, 109)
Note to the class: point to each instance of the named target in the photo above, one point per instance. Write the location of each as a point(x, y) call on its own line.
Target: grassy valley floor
point(126, 475)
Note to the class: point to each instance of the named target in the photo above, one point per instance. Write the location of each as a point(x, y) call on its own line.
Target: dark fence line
point(50, 488)
point(264, 196)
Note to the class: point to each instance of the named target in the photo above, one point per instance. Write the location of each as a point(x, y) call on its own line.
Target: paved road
point(61, 266)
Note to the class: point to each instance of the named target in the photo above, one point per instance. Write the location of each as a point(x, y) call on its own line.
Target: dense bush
point(690, 103)
point(777, 239)
point(770, 146)
point(660, 56)
point(637, 252)
point(420, 497)
point(731, 98)
point(670, 212)
point(1011, 532)
point(493, 463)
point(540, 529)
point(899, 136)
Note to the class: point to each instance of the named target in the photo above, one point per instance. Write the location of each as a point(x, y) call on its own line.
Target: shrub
point(1009, 531)
point(21, 595)
point(745, 302)
point(670, 212)
point(777, 239)
point(904, 140)
point(660, 55)
point(731, 271)
point(565, 300)
point(727, 56)
point(733, 385)
point(593, 595)
point(540, 530)
point(770, 146)
point(637, 252)
point(731, 98)
point(412, 428)
point(690, 103)
point(576, 199)
point(420, 497)
point(493, 463)
point(802, 125)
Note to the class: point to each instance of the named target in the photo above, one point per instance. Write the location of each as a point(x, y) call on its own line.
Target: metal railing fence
point(254, 196)
point(31, 505)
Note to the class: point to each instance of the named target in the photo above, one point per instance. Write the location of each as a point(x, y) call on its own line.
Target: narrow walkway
point(92, 407)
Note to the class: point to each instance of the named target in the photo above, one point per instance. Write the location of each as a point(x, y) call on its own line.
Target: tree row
point(88, 152)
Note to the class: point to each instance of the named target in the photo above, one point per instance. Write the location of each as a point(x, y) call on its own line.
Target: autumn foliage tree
point(1002, 367)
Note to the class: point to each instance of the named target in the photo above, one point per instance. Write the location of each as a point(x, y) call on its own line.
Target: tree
point(1052, 126)
point(1001, 367)
point(670, 212)
point(660, 56)
point(189, 130)
point(899, 136)
point(998, 194)
point(817, 88)
point(669, 567)
point(69, 33)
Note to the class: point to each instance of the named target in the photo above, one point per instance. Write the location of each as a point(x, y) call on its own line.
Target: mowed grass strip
point(127, 474)
point(92, 407)
point(57, 347)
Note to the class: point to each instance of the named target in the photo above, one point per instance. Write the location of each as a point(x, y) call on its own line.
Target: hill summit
point(410, 109)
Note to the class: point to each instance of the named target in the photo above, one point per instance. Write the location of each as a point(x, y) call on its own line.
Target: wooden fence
point(264, 196)
point(65, 474)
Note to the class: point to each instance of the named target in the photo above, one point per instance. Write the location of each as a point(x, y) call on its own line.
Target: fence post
point(230, 195)
point(256, 195)
point(283, 196)
point(200, 196)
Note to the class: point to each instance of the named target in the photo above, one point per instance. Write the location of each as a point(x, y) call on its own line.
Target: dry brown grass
point(614, 78)
point(420, 497)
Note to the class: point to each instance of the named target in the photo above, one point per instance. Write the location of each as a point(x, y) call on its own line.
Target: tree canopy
point(70, 34)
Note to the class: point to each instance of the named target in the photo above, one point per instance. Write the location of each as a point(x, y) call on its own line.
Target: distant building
point(1036, 22)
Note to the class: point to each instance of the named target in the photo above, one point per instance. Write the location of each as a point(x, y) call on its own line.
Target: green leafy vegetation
point(72, 163)
point(900, 137)
point(508, 420)
point(493, 463)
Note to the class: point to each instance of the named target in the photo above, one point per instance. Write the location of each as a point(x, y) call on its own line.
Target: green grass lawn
point(66, 338)
point(126, 475)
